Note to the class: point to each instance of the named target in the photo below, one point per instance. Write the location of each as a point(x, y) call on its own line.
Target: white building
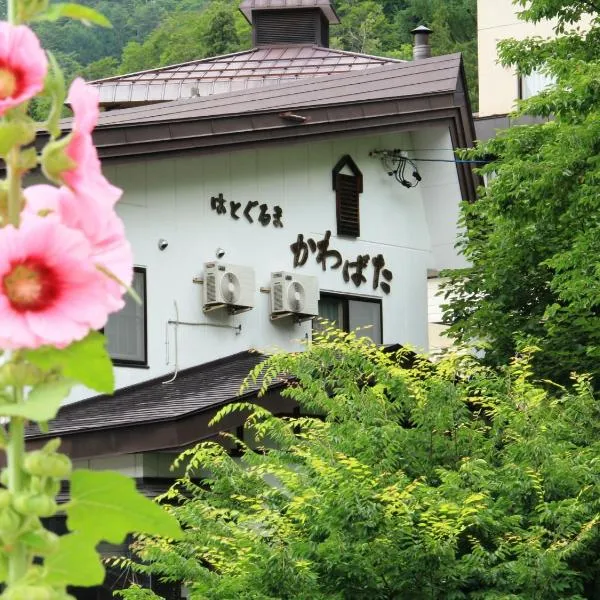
point(500, 87)
point(307, 173)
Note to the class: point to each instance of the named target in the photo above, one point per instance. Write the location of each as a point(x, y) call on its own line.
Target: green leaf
point(55, 88)
point(86, 361)
point(76, 562)
point(15, 133)
point(70, 10)
point(42, 403)
point(28, 159)
point(106, 506)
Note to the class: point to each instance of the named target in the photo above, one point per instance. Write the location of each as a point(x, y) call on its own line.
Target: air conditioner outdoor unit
point(294, 295)
point(228, 286)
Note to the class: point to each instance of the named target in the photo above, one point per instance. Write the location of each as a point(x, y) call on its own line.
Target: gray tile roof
point(194, 390)
point(256, 68)
point(426, 77)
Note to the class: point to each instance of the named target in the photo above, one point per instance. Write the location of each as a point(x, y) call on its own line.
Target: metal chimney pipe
point(421, 46)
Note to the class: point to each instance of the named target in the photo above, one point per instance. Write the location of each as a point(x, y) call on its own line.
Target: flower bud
point(55, 160)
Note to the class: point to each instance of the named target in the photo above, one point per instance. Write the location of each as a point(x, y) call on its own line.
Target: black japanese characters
point(352, 271)
point(219, 205)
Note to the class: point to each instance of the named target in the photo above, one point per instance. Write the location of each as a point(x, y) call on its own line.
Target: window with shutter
point(347, 194)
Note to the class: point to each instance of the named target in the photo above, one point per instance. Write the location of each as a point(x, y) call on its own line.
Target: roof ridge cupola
point(289, 22)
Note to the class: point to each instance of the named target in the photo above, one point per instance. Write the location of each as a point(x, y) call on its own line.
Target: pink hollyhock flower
point(86, 177)
point(50, 291)
point(23, 65)
point(110, 250)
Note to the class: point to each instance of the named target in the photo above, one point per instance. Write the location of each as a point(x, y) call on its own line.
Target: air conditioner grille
point(211, 288)
point(277, 297)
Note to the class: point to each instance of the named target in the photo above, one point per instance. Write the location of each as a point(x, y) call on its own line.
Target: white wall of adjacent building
point(170, 198)
point(498, 86)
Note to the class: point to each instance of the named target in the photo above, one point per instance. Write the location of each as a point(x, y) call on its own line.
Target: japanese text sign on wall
point(221, 206)
point(352, 270)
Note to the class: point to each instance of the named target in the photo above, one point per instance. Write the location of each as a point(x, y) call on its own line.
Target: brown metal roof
point(420, 78)
point(397, 97)
point(240, 71)
point(248, 6)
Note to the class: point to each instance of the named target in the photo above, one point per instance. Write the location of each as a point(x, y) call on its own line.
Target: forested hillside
point(150, 33)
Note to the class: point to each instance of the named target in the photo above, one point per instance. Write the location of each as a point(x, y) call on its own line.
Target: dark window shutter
point(346, 198)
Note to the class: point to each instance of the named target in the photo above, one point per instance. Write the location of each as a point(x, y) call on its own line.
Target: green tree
point(188, 35)
point(533, 236)
point(221, 36)
point(383, 27)
point(440, 482)
point(363, 25)
point(104, 67)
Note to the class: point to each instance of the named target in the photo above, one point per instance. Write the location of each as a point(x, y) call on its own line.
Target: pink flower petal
point(86, 177)
point(68, 296)
point(24, 62)
point(104, 230)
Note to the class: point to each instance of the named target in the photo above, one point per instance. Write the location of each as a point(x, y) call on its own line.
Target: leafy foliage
point(443, 481)
point(533, 236)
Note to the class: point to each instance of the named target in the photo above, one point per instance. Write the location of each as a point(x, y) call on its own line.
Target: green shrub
point(442, 481)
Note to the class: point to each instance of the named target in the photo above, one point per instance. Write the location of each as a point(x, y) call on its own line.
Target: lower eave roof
point(193, 390)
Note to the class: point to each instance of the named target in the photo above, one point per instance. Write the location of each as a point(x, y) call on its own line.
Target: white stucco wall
point(170, 198)
point(440, 193)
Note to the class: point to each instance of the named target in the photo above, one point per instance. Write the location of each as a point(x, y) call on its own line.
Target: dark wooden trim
point(347, 161)
point(447, 118)
point(172, 434)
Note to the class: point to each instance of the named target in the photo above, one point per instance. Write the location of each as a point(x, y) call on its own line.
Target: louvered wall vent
point(277, 27)
point(347, 196)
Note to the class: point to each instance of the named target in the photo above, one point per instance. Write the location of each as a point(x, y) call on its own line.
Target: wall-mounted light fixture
point(399, 166)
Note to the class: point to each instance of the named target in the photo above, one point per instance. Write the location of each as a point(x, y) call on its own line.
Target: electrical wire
point(456, 160)
point(396, 162)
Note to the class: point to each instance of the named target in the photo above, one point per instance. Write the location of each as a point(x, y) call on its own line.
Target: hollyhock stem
point(12, 11)
point(14, 187)
point(15, 452)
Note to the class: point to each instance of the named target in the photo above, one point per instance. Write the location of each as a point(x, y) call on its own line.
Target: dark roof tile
point(194, 390)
